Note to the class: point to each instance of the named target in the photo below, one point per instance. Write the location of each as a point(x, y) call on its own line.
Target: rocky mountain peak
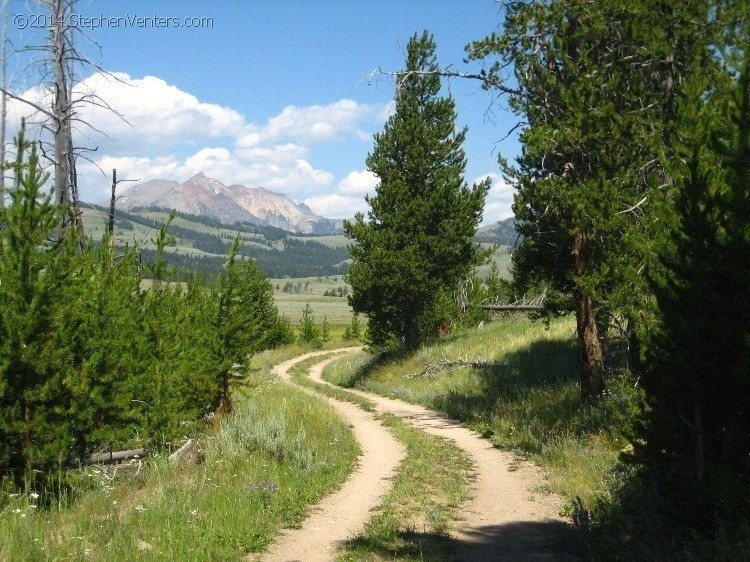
point(204, 196)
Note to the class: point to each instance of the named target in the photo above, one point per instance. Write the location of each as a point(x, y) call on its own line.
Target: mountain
point(501, 232)
point(206, 197)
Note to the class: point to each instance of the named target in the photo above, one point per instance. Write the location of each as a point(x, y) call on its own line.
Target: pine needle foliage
point(417, 240)
point(89, 359)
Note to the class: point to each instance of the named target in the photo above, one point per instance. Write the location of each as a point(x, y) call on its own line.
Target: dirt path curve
point(506, 519)
point(342, 514)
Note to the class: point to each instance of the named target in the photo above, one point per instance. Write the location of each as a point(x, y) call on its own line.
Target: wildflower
point(34, 495)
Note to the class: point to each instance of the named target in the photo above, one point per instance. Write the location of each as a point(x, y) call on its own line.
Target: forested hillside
point(199, 244)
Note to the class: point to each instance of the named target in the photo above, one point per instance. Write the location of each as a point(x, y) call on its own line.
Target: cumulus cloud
point(321, 123)
point(358, 183)
point(348, 198)
point(156, 130)
point(497, 206)
point(336, 206)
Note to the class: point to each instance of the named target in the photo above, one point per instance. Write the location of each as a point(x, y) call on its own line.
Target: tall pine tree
point(417, 240)
point(596, 86)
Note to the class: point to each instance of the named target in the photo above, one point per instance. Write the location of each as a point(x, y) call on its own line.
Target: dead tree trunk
point(61, 105)
point(3, 102)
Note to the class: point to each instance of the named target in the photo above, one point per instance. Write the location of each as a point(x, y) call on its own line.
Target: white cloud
point(167, 133)
point(358, 183)
point(349, 197)
point(155, 115)
point(321, 123)
point(497, 206)
point(336, 206)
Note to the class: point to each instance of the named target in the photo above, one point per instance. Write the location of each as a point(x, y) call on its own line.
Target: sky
point(272, 93)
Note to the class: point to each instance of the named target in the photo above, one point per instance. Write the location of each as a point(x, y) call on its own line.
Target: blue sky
point(270, 93)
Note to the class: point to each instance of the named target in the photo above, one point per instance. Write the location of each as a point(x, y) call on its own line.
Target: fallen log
point(189, 453)
point(435, 369)
point(116, 456)
point(111, 457)
point(512, 307)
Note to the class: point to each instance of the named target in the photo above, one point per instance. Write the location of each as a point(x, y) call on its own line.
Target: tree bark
point(3, 102)
point(60, 104)
point(590, 352)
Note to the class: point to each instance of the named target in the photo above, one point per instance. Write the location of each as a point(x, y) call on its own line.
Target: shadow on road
point(518, 541)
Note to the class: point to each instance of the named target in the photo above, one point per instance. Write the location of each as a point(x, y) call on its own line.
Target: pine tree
point(309, 332)
point(417, 239)
point(32, 273)
point(696, 430)
point(247, 320)
point(596, 86)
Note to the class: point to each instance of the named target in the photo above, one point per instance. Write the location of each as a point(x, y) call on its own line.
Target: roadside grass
point(261, 364)
point(522, 394)
point(264, 465)
point(525, 398)
point(300, 370)
point(413, 522)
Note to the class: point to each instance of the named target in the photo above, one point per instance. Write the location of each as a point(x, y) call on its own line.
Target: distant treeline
point(245, 227)
point(297, 258)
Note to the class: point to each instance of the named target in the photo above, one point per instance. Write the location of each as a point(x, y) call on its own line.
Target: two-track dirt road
point(506, 519)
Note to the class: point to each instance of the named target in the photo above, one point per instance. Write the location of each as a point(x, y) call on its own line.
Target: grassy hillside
point(201, 245)
point(515, 382)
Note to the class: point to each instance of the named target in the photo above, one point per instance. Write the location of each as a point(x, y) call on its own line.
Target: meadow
point(278, 453)
point(514, 382)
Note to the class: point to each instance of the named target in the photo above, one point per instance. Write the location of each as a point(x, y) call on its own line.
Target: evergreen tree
point(597, 85)
point(32, 275)
point(309, 332)
point(325, 330)
point(417, 240)
point(696, 431)
point(247, 321)
point(354, 330)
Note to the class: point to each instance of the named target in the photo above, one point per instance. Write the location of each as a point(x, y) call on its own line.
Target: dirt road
point(342, 514)
point(506, 519)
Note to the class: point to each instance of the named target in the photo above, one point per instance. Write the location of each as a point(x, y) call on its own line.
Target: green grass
point(336, 309)
point(278, 453)
point(300, 370)
point(524, 397)
point(432, 482)
point(413, 522)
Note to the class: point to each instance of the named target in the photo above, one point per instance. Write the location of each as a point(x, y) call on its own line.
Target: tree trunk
point(3, 102)
point(700, 460)
point(590, 353)
point(590, 356)
point(226, 406)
